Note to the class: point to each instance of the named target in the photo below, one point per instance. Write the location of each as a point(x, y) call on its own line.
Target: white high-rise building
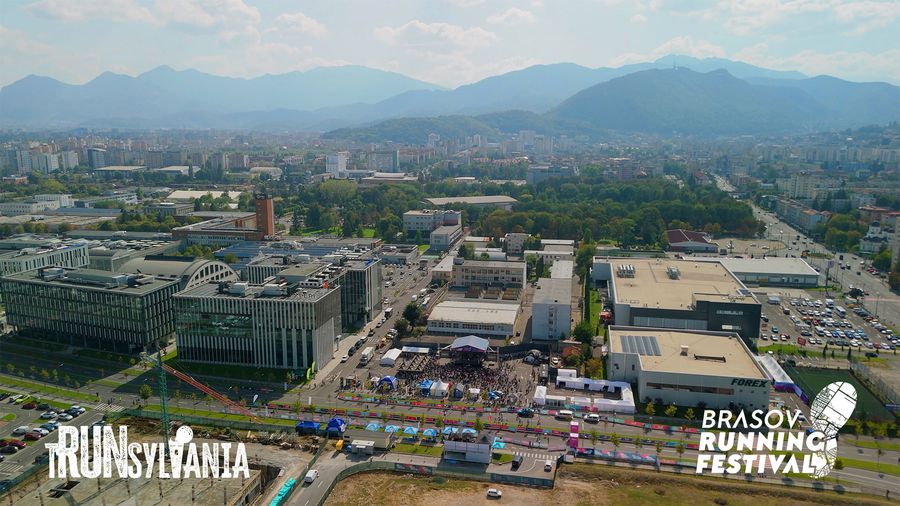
point(336, 164)
point(45, 162)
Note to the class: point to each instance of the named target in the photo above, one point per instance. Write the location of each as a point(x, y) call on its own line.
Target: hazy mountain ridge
point(555, 98)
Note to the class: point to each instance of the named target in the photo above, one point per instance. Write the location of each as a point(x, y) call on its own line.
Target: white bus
point(388, 312)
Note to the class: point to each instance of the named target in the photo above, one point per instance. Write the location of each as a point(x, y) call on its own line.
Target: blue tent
point(411, 431)
point(336, 425)
point(469, 431)
point(373, 426)
point(391, 428)
point(449, 430)
point(306, 426)
point(429, 433)
point(425, 386)
point(390, 381)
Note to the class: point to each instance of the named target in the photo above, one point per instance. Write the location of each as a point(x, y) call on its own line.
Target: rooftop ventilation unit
point(684, 350)
point(238, 288)
point(625, 271)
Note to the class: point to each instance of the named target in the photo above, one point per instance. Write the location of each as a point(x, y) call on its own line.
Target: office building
point(278, 325)
point(464, 317)
point(399, 254)
point(678, 294)
point(426, 220)
point(265, 215)
point(515, 243)
point(126, 313)
point(26, 252)
point(31, 206)
point(189, 272)
point(111, 254)
point(165, 209)
point(488, 273)
point(551, 315)
point(688, 367)
point(442, 238)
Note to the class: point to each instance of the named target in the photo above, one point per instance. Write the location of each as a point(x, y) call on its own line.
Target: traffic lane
point(26, 457)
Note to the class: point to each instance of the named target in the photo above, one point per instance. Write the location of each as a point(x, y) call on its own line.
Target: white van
point(548, 466)
point(564, 414)
point(311, 476)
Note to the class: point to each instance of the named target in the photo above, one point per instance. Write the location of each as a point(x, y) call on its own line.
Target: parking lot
point(805, 319)
point(17, 415)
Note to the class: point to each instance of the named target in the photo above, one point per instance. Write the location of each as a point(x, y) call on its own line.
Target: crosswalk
point(536, 455)
point(10, 467)
point(102, 406)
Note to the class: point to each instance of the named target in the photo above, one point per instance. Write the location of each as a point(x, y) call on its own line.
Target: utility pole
point(163, 398)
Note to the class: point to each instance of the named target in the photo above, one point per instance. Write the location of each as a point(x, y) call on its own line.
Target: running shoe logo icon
point(829, 411)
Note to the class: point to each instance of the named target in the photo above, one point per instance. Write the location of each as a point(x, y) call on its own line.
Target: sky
point(446, 42)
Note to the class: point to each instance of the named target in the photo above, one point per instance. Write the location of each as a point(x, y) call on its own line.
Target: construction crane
point(162, 369)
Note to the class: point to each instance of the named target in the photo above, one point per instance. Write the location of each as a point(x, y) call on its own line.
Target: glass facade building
point(92, 309)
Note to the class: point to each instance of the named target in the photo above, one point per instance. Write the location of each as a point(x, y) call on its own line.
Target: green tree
point(671, 410)
point(402, 327)
point(145, 391)
point(882, 261)
point(680, 449)
point(689, 414)
point(230, 258)
point(614, 439)
point(650, 409)
point(838, 463)
point(412, 312)
point(467, 251)
point(583, 333)
point(479, 424)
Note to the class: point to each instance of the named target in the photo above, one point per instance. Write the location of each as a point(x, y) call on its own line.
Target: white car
point(18, 431)
point(311, 476)
point(494, 493)
point(49, 415)
point(592, 418)
point(64, 417)
point(344, 358)
point(38, 430)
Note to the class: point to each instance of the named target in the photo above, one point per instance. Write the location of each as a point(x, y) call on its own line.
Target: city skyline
point(445, 42)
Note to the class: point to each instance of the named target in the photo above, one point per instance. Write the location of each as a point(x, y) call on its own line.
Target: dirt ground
point(596, 485)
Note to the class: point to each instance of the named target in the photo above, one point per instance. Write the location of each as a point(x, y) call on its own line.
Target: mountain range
point(714, 97)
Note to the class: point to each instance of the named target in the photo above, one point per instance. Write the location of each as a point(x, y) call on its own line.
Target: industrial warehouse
point(688, 368)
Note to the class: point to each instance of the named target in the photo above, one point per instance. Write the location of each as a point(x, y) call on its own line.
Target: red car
point(29, 405)
point(13, 442)
point(32, 436)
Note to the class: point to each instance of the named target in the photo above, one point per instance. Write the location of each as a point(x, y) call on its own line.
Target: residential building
point(126, 313)
point(68, 160)
point(96, 158)
point(336, 164)
point(278, 325)
point(551, 315)
point(515, 243)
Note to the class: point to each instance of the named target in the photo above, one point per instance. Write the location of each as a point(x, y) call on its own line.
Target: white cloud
point(685, 45)
point(457, 68)
point(867, 15)
point(300, 24)
point(116, 10)
point(18, 42)
point(638, 18)
point(424, 36)
point(512, 16)
point(854, 65)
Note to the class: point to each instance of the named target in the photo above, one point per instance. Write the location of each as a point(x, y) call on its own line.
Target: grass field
point(812, 380)
point(412, 449)
point(47, 389)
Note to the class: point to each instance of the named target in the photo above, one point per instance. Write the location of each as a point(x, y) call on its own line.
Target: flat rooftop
point(708, 353)
point(491, 264)
point(551, 290)
point(652, 285)
point(196, 194)
point(477, 200)
point(773, 265)
point(475, 312)
point(253, 291)
point(97, 280)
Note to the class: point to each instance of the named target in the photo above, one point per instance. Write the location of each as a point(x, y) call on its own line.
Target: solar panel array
point(642, 345)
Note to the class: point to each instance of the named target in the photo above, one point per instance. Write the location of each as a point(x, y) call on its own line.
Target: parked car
point(9, 449)
point(494, 493)
point(32, 436)
point(21, 430)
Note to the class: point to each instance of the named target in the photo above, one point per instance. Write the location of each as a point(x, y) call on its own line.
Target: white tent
point(439, 388)
point(390, 357)
point(540, 395)
point(581, 401)
point(474, 393)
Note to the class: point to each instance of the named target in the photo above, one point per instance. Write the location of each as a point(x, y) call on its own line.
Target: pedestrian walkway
point(537, 455)
point(10, 467)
